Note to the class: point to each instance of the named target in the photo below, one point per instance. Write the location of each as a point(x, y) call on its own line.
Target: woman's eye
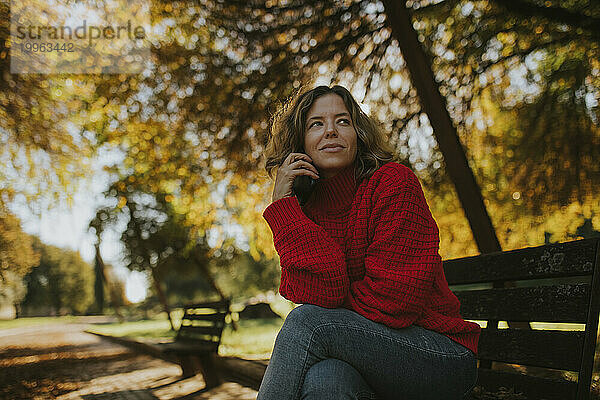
point(318, 122)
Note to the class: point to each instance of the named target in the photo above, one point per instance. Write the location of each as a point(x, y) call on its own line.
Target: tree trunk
point(457, 166)
point(101, 279)
point(162, 298)
point(434, 105)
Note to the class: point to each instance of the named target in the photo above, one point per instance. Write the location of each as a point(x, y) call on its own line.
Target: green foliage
point(17, 257)
point(243, 277)
point(556, 149)
point(186, 288)
point(537, 65)
point(43, 138)
point(61, 284)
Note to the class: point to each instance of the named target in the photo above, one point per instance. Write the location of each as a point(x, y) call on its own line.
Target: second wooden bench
point(197, 341)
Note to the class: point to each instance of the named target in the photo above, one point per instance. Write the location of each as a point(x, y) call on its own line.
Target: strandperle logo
point(90, 33)
point(94, 36)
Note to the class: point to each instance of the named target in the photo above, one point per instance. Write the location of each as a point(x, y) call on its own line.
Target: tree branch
point(522, 53)
point(555, 14)
point(442, 6)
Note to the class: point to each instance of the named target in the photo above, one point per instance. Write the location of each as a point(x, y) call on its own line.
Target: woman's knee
point(335, 379)
point(302, 313)
point(302, 319)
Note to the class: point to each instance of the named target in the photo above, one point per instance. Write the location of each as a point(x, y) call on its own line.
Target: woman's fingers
point(303, 160)
point(306, 165)
point(302, 171)
point(293, 157)
point(294, 165)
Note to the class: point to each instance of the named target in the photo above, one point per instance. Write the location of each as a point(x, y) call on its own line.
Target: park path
point(61, 361)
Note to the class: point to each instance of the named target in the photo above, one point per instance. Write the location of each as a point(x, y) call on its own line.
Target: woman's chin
point(329, 170)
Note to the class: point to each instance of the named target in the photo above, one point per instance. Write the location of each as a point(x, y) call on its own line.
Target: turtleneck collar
point(335, 193)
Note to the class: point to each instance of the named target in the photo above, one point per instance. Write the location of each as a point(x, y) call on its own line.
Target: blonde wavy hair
point(287, 128)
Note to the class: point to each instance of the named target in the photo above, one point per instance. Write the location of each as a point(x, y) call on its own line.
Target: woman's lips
point(332, 149)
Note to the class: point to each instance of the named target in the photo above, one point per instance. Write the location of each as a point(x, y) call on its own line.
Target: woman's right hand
point(294, 165)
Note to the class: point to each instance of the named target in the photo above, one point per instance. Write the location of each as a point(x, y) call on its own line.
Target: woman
point(378, 320)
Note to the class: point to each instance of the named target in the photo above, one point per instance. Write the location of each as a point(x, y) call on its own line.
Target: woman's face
point(328, 122)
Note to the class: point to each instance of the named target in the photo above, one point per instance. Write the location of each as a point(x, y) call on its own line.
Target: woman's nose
point(330, 129)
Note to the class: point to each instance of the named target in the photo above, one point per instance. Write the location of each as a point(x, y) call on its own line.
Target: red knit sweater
point(371, 247)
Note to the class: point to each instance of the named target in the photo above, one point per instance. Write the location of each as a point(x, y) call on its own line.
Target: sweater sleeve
point(402, 257)
point(313, 264)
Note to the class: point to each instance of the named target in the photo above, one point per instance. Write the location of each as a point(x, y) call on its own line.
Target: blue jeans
point(323, 353)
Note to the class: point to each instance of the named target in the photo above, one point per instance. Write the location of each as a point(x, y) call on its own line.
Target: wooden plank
point(215, 317)
point(530, 386)
point(515, 346)
point(575, 258)
point(199, 323)
point(559, 303)
point(200, 339)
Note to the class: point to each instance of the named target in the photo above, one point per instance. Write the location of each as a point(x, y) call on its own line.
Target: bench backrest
point(556, 283)
point(203, 324)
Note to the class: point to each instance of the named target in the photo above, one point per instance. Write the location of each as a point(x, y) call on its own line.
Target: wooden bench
point(197, 341)
point(555, 283)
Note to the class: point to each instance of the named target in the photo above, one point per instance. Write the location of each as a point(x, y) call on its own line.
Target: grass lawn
point(32, 321)
point(253, 338)
point(144, 329)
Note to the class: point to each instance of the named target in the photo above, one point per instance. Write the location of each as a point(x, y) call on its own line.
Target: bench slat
point(548, 261)
point(219, 305)
point(532, 387)
point(218, 317)
point(187, 331)
point(559, 303)
point(515, 346)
